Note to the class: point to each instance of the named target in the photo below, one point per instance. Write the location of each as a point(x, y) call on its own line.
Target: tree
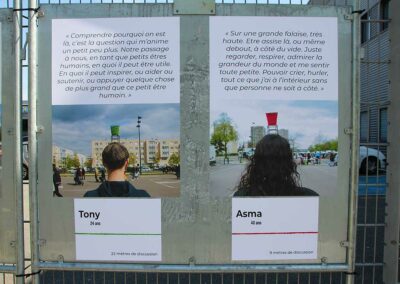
point(224, 132)
point(174, 159)
point(72, 162)
point(157, 158)
point(293, 140)
point(76, 161)
point(132, 159)
point(324, 146)
point(88, 163)
point(250, 144)
point(68, 161)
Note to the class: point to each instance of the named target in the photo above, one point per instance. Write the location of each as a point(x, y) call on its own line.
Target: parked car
point(370, 161)
point(145, 169)
point(248, 153)
point(213, 156)
point(25, 161)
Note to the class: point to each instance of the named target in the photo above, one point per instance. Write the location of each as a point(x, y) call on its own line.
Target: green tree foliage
point(132, 159)
point(174, 159)
point(72, 162)
point(88, 162)
point(324, 146)
point(224, 132)
point(157, 158)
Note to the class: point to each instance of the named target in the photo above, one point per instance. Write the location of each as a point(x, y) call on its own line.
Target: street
point(162, 185)
point(224, 178)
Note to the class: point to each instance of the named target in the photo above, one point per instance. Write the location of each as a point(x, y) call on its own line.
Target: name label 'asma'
point(250, 214)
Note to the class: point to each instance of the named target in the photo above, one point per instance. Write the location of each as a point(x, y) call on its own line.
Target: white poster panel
point(274, 75)
point(274, 57)
point(118, 229)
point(277, 228)
point(123, 75)
point(115, 60)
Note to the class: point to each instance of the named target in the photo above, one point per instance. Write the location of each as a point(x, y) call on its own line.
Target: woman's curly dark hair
point(272, 170)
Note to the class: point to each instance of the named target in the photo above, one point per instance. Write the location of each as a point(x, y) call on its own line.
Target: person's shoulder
point(134, 192)
point(239, 193)
point(92, 193)
point(307, 191)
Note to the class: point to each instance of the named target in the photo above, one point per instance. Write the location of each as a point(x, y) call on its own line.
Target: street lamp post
point(253, 140)
point(139, 121)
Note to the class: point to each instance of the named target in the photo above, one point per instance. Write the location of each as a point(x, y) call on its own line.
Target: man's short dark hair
point(114, 156)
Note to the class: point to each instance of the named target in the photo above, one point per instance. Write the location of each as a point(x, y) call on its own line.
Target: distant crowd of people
point(314, 158)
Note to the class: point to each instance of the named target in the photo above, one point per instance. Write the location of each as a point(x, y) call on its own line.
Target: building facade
point(152, 152)
point(60, 156)
point(257, 133)
point(284, 133)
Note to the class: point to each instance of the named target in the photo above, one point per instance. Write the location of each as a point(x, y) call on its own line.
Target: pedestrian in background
point(96, 174)
point(56, 181)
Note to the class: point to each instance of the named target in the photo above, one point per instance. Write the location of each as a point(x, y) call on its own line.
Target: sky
point(307, 121)
point(74, 127)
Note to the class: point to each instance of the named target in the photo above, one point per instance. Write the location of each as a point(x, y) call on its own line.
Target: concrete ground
point(224, 178)
point(160, 185)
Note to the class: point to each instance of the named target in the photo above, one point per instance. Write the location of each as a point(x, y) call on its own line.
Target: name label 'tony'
point(84, 214)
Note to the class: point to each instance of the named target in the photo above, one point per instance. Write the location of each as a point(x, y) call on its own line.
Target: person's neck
point(117, 175)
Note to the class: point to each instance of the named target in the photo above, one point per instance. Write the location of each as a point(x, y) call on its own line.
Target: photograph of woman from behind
point(272, 171)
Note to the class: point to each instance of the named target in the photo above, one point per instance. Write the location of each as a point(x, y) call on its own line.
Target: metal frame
point(210, 268)
point(175, 268)
point(391, 273)
point(354, 143)
point(14, 133)
point(32, 101)
point(12, 138)
point(18, 142)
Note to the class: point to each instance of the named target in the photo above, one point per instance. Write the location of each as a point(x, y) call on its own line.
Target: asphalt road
point(320, 178)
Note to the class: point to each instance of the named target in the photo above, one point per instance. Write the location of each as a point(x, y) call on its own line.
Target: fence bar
point(18, 186)
point(32, 98)
point(124, 267)
point(7, 268)
point(392, 236)
point(351, 251)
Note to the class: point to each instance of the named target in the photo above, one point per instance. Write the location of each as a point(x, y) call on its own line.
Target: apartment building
point(152, 151)
point(61, 154)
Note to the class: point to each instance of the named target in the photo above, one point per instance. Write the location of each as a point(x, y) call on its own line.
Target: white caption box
point(118, 229)
point(274, 228)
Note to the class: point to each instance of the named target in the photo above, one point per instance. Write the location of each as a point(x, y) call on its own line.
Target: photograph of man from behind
point(115, 159)
point(272, 171)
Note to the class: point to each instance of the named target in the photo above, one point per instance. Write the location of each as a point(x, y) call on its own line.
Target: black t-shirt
point(116, 189)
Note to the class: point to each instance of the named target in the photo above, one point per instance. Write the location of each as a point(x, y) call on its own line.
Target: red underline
point(276, 233)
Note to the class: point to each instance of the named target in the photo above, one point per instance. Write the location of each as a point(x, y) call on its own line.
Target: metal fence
point(7, 278)
point(372, 185)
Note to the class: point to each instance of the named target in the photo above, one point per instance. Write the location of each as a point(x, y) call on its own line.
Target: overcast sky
point(74, 127)
point(307, 121)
